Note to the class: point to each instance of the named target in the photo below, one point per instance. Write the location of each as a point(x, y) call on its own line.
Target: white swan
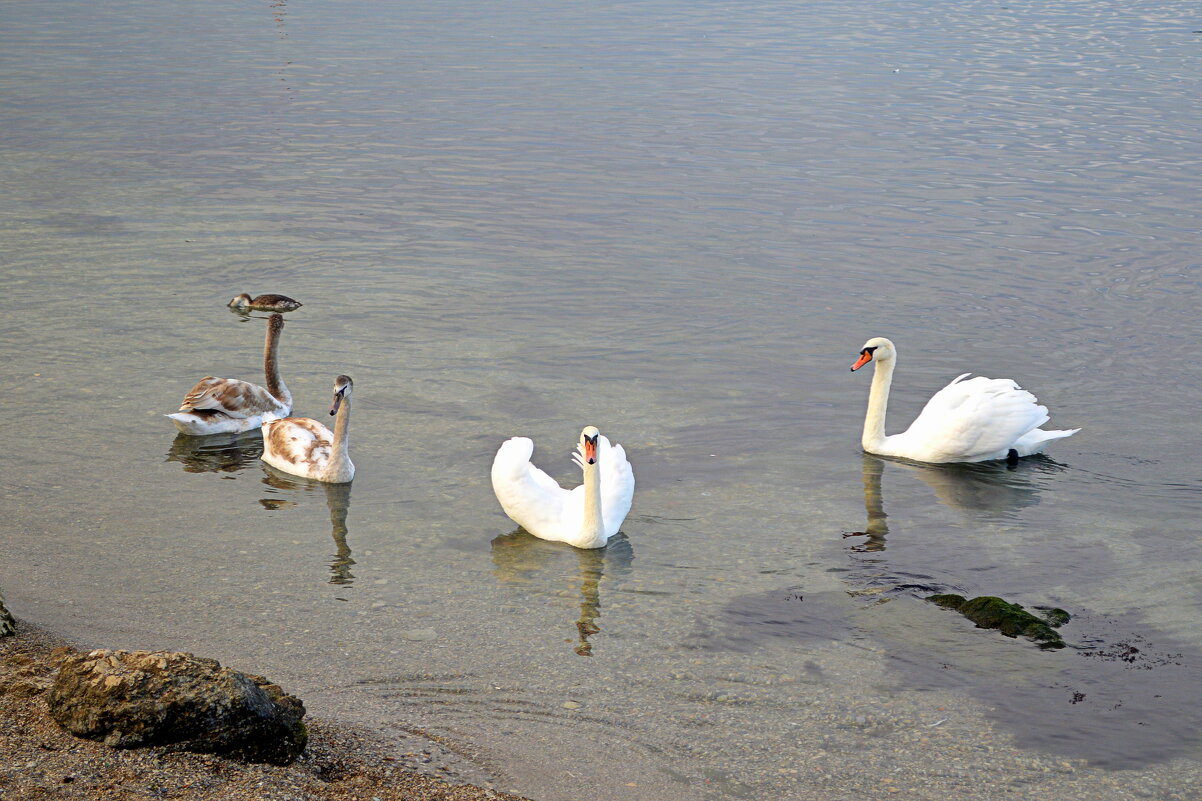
point(227, 405)
point(586, 516)
point(966, 421)
point(305, 447)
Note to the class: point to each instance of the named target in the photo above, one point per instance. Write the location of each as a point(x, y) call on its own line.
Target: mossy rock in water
point(991, 612)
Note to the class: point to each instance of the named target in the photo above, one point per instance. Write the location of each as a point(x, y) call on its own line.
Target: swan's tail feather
point(1035, 441)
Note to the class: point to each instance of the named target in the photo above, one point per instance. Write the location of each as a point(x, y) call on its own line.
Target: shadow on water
point(1121, 695)
point(338, 501)
point(540, 567)
point(216, 453)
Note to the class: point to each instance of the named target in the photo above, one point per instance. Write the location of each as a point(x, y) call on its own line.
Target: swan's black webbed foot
point(1012, 457)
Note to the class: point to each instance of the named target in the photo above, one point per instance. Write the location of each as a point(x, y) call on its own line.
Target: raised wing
point(238, 399)
point(297, 440)
point(976, 418)
point(530, 497)
point(617, 483)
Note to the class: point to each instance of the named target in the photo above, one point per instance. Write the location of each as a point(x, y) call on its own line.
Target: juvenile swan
point(966, 421)
point(277, 303)
point(586, 516)
point(305, 447)
point(227, 405)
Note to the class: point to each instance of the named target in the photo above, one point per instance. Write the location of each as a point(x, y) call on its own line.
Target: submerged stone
point(991, 612)
point(1055, 616)
point(128, 699)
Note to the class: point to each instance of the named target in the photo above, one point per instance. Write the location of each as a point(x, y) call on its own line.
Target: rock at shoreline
point(8, 626)
point(990, 612)
point(137, 698)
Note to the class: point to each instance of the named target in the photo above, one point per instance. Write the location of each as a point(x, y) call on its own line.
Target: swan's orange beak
point(590, 450)
point(865, 358)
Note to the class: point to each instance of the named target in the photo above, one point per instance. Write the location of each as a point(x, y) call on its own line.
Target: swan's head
point(877, 348)
point(240, 302)
point(342, 389)
point(588, 444)
point(275, 323)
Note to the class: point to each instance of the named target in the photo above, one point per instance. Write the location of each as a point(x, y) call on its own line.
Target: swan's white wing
point(975, 419)
point(238, 399)
point(296, 441)
point(530, 497)
point(617, 485)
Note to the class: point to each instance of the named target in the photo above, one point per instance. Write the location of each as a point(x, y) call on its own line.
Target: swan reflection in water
point(523, 560)
point(982, 490)
point(338, 500)
point(216, 453)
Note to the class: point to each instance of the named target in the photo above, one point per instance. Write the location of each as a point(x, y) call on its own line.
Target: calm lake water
point(677, 221)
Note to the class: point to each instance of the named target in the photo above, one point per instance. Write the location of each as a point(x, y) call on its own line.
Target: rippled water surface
point(679, 222)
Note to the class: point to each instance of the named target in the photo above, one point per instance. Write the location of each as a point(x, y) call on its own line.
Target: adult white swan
point(586, 516)
point(227, 405)
point(305, 447)
point(966, 421)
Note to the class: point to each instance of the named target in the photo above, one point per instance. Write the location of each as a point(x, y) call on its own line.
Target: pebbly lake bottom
point(634, 673)
point(796, 659)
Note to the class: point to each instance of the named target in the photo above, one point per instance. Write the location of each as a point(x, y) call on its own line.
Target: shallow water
point(679, 222)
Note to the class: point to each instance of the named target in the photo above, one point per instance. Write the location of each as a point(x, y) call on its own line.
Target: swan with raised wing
point(227, 405)
point(305, 447)
point(586, 516)
point(967, 421)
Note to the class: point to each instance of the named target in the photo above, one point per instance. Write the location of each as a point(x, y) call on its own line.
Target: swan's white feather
point(537, 503)
point(617, 486)
point(976, 420)
point(204, 421)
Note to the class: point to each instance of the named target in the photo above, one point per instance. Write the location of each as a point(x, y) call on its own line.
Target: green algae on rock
point(991, 612)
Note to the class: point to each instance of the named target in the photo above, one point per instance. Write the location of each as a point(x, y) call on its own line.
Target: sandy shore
point(39, 760)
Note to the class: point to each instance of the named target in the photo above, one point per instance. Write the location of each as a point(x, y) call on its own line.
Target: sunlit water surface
point(677, 221)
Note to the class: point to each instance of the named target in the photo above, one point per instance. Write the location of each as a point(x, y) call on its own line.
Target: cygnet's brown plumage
point(227, 405)
point(276, 303)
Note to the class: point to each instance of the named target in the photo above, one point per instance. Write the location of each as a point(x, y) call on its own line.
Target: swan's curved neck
point(271, 368)
point(592, 529)
point(341, 456)
point(878, 399)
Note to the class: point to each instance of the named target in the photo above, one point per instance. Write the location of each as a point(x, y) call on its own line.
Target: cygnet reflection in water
point(216, 453)
point(543, 568)
point(338, 501)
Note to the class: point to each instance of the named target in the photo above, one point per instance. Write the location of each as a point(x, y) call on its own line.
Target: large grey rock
point(137, 698)
point(8, 626)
